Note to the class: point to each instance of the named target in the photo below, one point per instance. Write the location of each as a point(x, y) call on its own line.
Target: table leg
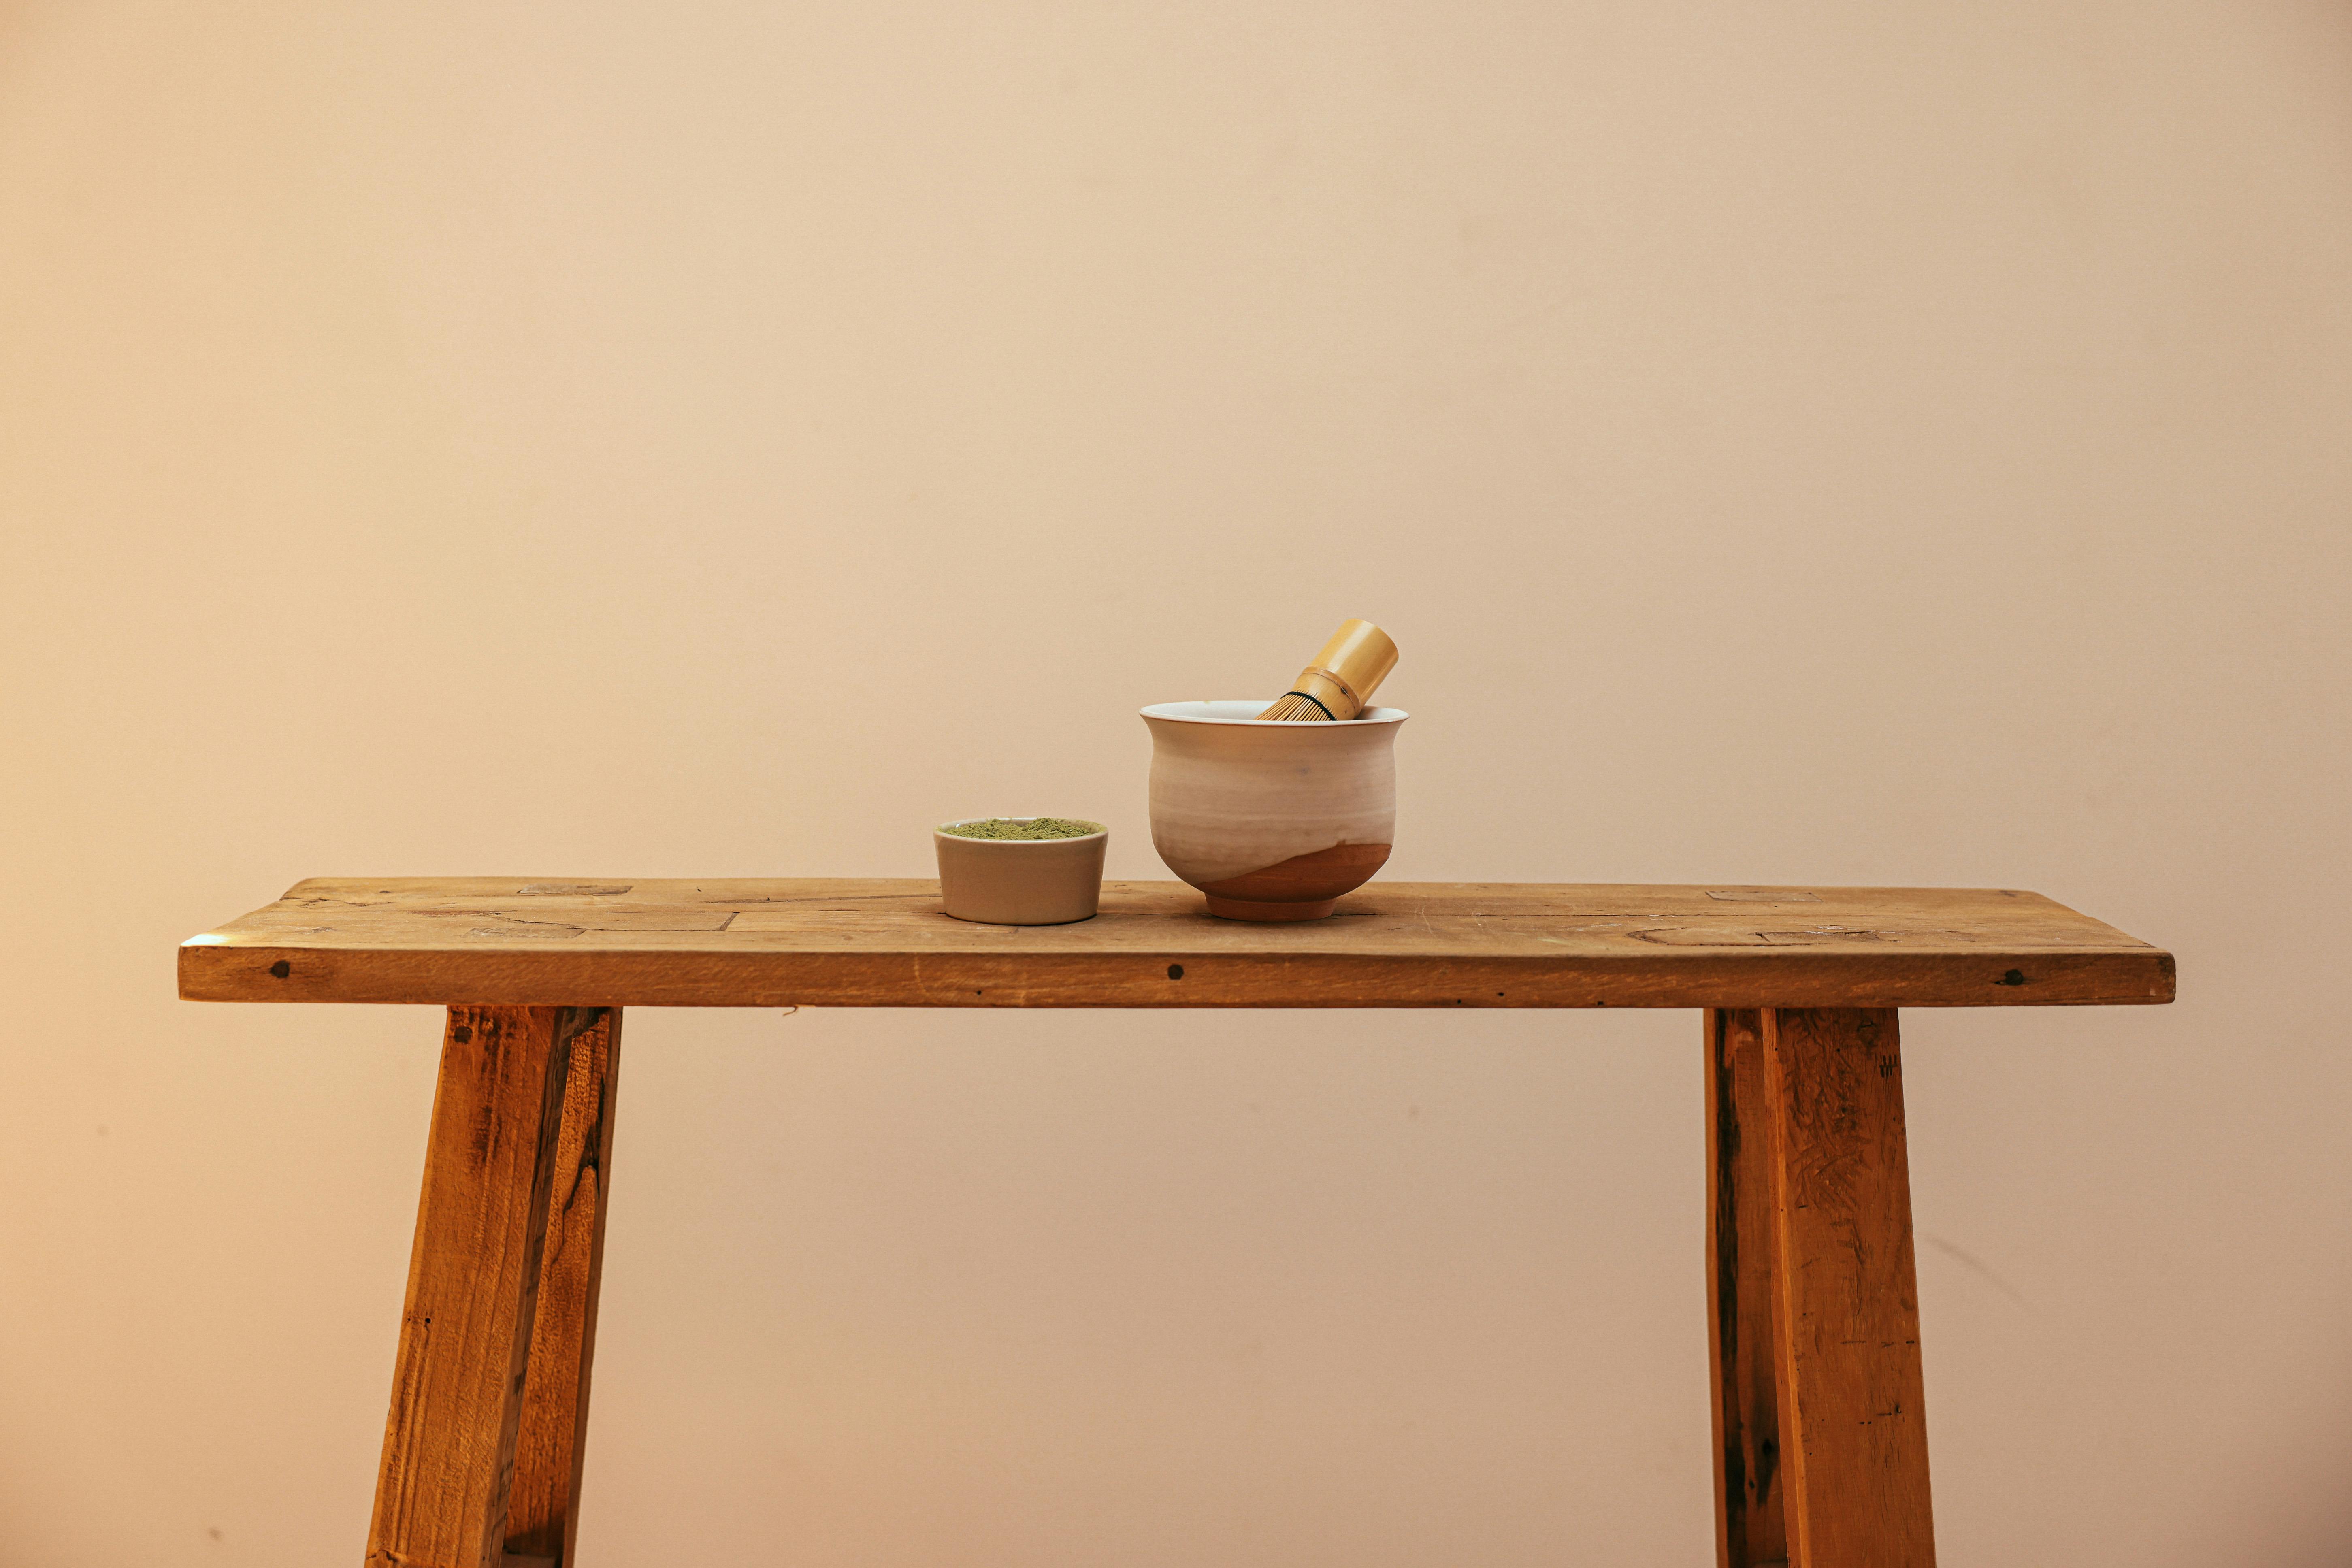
point(1848, 1409)
point(473, 1284)
point(1750, 1525)
point(544, 1505)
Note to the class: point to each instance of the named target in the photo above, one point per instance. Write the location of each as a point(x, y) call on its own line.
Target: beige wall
point(1833, 443)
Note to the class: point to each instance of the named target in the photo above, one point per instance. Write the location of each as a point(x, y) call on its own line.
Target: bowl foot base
point(1258, 909)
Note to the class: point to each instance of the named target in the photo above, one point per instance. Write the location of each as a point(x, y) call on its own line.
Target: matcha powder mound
point(1022, 827)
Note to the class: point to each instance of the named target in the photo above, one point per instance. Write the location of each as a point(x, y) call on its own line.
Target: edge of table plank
point(257, 966)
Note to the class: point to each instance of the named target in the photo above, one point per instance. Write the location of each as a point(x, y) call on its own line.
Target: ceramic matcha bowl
point(1272, 821)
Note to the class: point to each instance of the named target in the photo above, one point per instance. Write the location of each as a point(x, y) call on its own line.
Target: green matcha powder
point(1023, 827)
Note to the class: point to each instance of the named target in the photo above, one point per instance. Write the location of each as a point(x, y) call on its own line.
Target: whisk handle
point(1350, 669)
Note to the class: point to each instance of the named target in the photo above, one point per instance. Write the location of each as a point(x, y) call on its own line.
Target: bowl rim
point(1374, 715)
point(939, 830)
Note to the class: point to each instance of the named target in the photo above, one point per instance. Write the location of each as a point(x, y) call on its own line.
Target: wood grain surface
point(1743, 1344)
point(473, 1282)
point(1853, 1411)
point(885, 943)
point(551, 1440)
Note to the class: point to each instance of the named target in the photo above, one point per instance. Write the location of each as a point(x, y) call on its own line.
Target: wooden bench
point(1821, 1454)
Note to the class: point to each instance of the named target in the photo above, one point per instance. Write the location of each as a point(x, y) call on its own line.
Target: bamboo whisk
point(1341, 682)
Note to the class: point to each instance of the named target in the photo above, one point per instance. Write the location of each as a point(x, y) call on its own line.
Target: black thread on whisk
point(1327, 712)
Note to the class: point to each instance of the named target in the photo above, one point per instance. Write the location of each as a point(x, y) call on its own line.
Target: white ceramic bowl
point(1020, 881)
point(1272, 821)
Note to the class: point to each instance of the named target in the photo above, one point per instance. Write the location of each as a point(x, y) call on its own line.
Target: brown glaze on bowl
point(1302, 888)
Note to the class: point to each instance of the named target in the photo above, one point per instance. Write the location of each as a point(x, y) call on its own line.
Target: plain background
point(1818, 443)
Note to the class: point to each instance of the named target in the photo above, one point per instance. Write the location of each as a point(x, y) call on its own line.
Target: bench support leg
point(1821, 1449)
point(512, 1209)
point(1751, 1526)
point(544, 1508)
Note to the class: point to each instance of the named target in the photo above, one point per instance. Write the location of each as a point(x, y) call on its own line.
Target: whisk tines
point(1298, 707)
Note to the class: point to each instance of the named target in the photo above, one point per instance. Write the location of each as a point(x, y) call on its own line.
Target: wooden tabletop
point(885, 943)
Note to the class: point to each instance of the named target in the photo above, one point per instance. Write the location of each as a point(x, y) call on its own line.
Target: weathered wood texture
point(543, 1504)
point(473, 1280)
point(1853, 1416)
point(1743, 1345)
point(887, 943)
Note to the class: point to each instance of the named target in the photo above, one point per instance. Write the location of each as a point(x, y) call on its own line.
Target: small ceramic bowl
point(1020, 881)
